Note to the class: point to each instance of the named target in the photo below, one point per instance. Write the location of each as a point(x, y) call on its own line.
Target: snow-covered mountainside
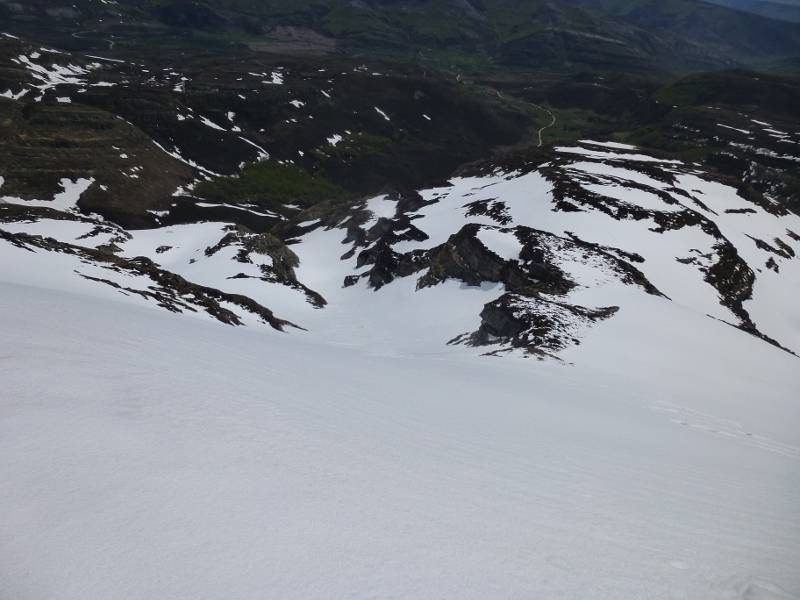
point(530, 256)
point(369, 449)
point(148, 455)
point(567, 371)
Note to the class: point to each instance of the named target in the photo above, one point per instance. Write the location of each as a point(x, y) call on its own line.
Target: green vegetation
point(736, 88)
point(574, 124)
point(271, 185)
point(660, 137)
point(360, 145)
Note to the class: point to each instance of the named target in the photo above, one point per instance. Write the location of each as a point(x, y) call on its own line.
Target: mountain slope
point(610, 35)
point(287, 312)
point(540, 253)
point(785, 11)
point(171, 457)
point(531, 229)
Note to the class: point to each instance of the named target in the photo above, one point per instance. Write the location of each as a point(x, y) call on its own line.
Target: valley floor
point(148, 456)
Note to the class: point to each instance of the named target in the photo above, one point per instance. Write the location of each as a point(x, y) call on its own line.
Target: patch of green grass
point(656, 137)
point(689, 92)
point(271, 185)
point(574, 124)
point(735, 88)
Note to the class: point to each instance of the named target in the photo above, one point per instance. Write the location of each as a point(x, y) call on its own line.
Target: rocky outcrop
point(166, 289)
point(284, 260)
point(539, 325)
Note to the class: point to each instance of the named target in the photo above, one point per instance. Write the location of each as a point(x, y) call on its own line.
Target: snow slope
point(150, 456)
point(669, 222)
point(654, 453)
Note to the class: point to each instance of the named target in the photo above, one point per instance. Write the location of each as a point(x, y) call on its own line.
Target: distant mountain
point(459, 35)
point(701, 31)
point(784, 11)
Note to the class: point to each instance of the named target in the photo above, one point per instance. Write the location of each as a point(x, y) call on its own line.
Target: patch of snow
point(262, 153)
point(14, 96)
point(113, 60)
point(209, 123)
point(613, 155)
point(744, 131)
point(178, 156)
point(614, 145)
point(276, 78)
point(381, 113)
point(65, 200)
point(380, 207)
point(503, 243)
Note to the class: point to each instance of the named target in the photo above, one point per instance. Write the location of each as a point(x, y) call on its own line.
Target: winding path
point(551, 124)
point(542, 130)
